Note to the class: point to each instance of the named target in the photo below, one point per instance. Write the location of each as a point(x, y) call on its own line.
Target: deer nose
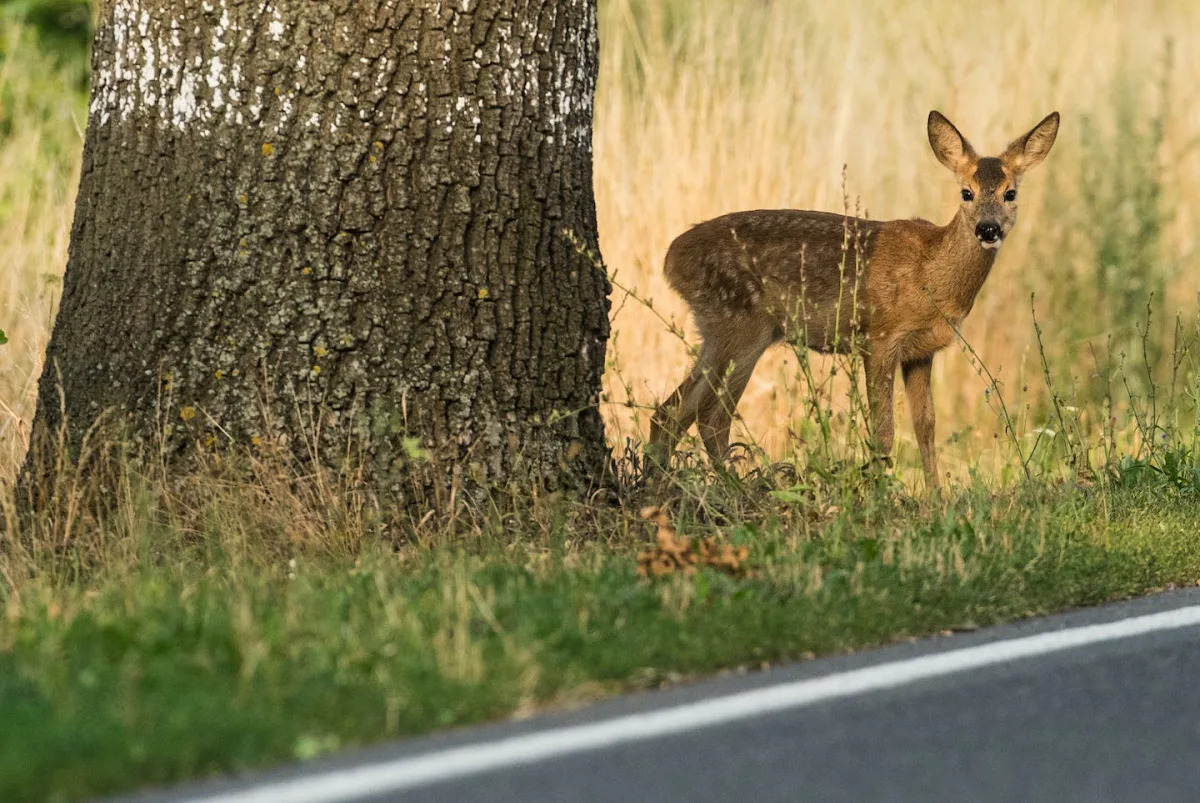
point(988, 232)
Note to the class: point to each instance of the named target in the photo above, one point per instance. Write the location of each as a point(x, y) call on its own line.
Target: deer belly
point(828, 331)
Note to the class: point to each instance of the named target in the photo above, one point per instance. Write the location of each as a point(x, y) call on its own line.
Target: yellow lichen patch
point(320, 351)
point(677, 553)
point(219, 374)
point(483, 293)
point(268, 149)
point(255, 440)
point(187, 413)
point(316, 370)
point(243, 199)
point(307, 271)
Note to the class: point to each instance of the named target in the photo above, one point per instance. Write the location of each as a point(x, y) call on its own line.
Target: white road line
point(420, 770)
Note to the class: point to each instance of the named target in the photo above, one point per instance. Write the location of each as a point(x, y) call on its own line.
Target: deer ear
point(950, 147)
point(1028, 151)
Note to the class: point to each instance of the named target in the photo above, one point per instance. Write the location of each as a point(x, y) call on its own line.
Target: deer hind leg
point(672, 418)
point(708, 396)
point(721, 389)
point(680, 410)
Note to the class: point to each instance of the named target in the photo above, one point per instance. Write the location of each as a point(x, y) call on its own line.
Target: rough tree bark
point(350, 221)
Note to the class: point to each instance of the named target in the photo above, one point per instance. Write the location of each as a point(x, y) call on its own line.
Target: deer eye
point(967, 195)
point(1010, 196)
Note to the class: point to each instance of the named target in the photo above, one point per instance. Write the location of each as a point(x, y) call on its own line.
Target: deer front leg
point(881, 379)
point(917, 387)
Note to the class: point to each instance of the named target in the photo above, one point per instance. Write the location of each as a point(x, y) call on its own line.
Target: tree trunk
point(347, 224)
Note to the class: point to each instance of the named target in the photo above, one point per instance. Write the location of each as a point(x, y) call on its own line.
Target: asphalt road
point(1095, 705)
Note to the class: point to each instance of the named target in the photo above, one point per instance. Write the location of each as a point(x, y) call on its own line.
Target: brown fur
point(893, 291)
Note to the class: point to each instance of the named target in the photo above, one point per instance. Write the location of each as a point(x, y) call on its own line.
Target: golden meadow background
point(709, 106)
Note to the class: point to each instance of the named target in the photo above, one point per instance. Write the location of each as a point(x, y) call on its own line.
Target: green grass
point(174, 640)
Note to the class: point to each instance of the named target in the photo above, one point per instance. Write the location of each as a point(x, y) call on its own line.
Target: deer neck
point(958, 268)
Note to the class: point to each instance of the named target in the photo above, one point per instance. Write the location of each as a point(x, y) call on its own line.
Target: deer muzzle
point(989, 234)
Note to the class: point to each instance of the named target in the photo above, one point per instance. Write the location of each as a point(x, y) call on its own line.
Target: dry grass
point(710, 107)
point(41, 117)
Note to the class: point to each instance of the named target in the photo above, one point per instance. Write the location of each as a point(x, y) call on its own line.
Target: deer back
point(803, 272)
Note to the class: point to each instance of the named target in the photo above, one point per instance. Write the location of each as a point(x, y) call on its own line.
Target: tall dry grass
point(42, 113)
point(705, 108)
point(708, 107)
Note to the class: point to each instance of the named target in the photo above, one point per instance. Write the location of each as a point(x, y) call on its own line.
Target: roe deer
point(893, 291)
